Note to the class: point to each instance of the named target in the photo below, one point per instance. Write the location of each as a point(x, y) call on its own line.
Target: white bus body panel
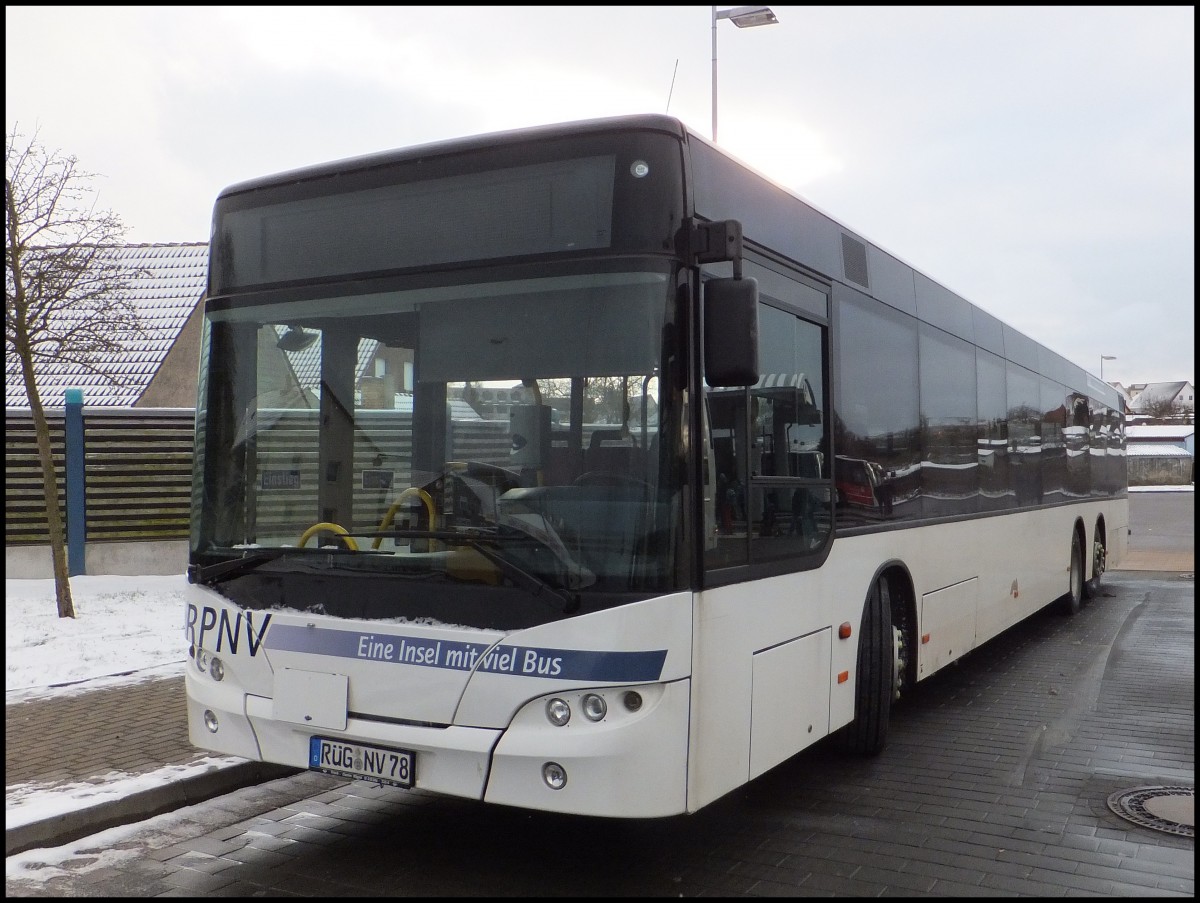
point(948, 617)
point(776, 733)
point(738, 678)
point(469, 703)
point(971, 579)
point(630, 765)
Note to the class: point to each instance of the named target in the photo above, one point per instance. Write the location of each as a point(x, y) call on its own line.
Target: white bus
point(583, 469)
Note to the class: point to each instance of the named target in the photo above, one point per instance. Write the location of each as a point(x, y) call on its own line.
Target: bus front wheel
point(876, 675)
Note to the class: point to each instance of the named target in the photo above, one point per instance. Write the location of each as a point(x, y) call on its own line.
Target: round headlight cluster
point(594, 707)
point(210, 663)
point(558, 710)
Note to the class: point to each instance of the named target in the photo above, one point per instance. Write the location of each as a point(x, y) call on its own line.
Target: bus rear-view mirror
point(731, 332)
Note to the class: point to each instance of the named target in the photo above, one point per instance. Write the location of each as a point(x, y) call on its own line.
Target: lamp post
point(742, 17)
point(1103, 358)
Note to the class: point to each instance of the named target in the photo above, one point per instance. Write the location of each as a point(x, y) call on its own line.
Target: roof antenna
point(672, 91)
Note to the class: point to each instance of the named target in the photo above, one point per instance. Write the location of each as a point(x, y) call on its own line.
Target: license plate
point(380, 764)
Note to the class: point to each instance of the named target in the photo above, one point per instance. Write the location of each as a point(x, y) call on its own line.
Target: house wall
point(130, 559)
point(1149, 470)
point(174, 383)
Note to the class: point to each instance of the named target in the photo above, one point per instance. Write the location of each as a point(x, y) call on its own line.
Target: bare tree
point(66, 293)
point(1165, 409)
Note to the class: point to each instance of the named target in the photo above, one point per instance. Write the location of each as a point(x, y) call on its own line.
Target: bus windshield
point(497, 444)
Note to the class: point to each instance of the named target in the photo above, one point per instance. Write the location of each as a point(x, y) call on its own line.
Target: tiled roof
point(1156, 393)
point(165, 297)
point(306, 363)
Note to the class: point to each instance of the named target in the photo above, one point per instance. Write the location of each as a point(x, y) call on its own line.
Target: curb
point(68, 826)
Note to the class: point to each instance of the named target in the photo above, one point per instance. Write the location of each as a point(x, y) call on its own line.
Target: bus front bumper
point(629, 765)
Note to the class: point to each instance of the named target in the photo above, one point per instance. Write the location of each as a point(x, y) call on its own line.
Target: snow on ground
point(122, 625)
point(126, 629)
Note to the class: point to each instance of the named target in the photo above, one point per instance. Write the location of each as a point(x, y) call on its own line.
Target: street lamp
point(1103, 358)
point(742, 17)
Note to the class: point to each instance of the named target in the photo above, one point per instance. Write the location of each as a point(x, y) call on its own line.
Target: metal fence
point(137, 474)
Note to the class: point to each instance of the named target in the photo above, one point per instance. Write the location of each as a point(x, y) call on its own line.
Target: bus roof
point(639, 122)
point(1025, 350)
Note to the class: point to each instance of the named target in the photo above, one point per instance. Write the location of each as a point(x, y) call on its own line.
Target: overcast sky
point(1038, 161)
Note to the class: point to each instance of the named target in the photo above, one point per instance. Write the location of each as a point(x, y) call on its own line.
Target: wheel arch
point(903, 594)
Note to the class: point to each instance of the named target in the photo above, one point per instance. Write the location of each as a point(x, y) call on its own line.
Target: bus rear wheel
point(1070, 603)
point(1091, 589)
point(876, 677)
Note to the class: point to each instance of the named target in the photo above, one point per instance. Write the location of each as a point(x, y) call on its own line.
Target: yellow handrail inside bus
point(391, 512)
point(342, 533)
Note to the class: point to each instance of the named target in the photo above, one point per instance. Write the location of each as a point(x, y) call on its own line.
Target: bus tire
point(874, 684)
point(1073, 600)
point(1091, 589)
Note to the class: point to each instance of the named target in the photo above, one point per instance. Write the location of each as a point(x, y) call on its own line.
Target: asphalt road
point(1162, 521)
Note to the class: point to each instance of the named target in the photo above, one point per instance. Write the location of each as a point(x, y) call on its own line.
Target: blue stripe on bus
point(525, 661)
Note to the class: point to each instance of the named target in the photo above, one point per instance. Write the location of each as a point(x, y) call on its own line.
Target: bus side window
point(789, 439)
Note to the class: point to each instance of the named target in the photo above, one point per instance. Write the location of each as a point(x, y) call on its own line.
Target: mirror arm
point(715, 242)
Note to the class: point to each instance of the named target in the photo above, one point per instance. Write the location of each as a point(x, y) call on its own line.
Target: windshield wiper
point(234, 567)
point(475, 539)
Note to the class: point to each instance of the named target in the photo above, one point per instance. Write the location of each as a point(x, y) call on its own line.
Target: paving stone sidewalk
point(104, 736)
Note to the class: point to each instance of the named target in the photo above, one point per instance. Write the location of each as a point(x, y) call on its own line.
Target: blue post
point(76, 497)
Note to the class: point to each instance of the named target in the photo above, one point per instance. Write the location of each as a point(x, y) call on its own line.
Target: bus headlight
point(559, 714)
point(216, 669)
point(554, 775)
point(594, 707)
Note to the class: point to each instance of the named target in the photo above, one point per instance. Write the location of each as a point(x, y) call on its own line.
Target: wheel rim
point(899, 661)
point(1077, 574)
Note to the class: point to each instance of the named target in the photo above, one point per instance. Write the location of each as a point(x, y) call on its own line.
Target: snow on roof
point(1157, 431)
point(165, 297)
point(1154, 450)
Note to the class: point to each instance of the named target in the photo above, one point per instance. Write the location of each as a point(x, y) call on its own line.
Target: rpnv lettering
point(205, 620)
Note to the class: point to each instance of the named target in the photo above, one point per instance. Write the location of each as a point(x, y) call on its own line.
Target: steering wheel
point(340, 532)
point(501, 479)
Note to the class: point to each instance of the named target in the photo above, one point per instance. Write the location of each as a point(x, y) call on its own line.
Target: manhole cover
point(1169, 809)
